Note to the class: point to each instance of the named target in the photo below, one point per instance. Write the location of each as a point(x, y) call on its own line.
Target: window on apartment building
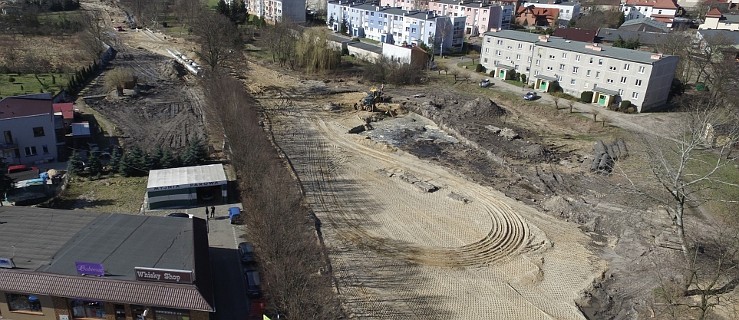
point(564, 55)
point(515, 67)
point(384, 23)
point(574, 69)
point(87, 309)
point(591, 60)
point(8, 137)
point(561, 66)
point(572, 81)
point(499, 42)
point(38, 131)
point(485, 60)
point(659, 11)
point(549, 68)
point(518, 57)
point(531, 47)
point(609, 80)
point(407, 28)
point(509, 47)
point(577, 57)
point(487, 50)
point(484, 19)
point(635, 95)
point(551, 56)
point(30, 151)
point(567, 11)
point(626, 66)
point(597, 74)
point(612, 68)
point(587, 73)
point(528, 69)
point(600, 62)
point(45, 149)
point(537, 62)
point(641, 69)
point(497, 52)
point(638, 82)
point(487, 40)
point(528, 60)
point(536, 73)
point(620, 92)
point(23, 302)
point(623, 79)
point(520, 45)
point(413, 30)
point(395, 18)
point(372, 14)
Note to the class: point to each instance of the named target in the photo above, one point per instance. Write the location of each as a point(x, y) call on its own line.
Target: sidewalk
point(640, 123)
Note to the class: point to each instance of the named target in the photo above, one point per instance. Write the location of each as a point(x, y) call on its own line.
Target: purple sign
point(90, 269)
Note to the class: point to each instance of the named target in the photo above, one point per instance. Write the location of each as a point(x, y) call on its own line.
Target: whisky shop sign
point(163, 275)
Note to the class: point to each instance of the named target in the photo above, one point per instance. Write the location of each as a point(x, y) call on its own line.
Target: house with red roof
point(536, 17)
point(660, 10)
point(715, 20)
point(27, 129)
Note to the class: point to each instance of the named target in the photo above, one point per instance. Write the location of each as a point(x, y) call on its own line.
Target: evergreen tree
point(125, 166)
point(223, 8)
point(75, 165)
point(167, 160)
point(115, 159)
point(6, 182)
point(95, 167)
point(155, 159)
point(138, 161)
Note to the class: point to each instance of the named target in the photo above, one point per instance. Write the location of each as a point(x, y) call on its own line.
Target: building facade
point(715, 20)
point(480, 15)
point(278, 10)
point(396, 26)
point(85, 265)
point(660, 10)
point(567, 9)
point(407, 5)
point(28, 129)
point(612, 74)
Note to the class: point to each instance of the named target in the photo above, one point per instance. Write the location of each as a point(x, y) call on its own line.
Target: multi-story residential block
point(612, 74)
point(480, 15)
point(567, 9)
point(395, 25)
point(278, 10)
point(537, 17)
point(718, 21)
point(27, 125)
point(407, 5)
point(660, 10)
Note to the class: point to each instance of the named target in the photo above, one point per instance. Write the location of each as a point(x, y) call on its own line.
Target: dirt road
point(399, 252)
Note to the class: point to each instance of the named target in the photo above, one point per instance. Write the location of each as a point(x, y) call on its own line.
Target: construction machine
point(373, 97)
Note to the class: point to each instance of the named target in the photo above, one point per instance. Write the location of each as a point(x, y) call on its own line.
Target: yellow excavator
point(373, 97)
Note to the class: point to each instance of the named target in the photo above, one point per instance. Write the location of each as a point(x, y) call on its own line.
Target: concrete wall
point(716, 24)
point(23, 136)
point(396, 53)
point(362, 54)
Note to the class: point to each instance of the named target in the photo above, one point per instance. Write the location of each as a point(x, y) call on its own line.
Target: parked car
point(180, 215)
point(530, 96)
point(234, 214)
point(485, 83)
point(253, 285)
point(246, 252)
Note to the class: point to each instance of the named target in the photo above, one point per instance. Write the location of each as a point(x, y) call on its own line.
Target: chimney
point(656, 56)
point(544, 38)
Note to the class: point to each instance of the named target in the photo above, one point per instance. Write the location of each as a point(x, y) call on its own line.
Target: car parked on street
point(530, 96)
point(246, 253)
point(485, 83)
point(253, 285)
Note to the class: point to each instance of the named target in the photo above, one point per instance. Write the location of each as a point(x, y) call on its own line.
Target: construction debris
point(418, 183)
point(605, 155)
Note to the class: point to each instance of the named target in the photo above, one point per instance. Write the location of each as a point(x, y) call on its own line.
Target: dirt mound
point(171, 70)
point(481, 107)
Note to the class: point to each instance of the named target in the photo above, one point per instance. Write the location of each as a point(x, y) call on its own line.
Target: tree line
point(278, 222)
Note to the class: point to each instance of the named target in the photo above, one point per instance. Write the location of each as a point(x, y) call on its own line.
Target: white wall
point(22, 131)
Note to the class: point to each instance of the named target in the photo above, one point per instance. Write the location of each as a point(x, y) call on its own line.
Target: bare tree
point(93, 38)
point(218, 38)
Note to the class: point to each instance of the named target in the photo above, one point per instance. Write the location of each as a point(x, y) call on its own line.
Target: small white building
point(186, 187)
point(567, 9)
point(660, 10)
point(715, 20)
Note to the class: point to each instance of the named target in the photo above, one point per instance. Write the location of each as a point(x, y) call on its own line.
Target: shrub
point(624, 105)
point(631, 109)
point(586, 96)
point(523, 77)
point(11, 79)
point(480, 68)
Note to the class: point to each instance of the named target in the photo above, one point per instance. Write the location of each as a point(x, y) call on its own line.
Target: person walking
point(212, 211)
point(206, 213)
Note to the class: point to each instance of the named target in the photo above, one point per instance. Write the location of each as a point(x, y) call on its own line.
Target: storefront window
point(87, 309)
point(171, 314)
point(23, 302)
point(120, 312)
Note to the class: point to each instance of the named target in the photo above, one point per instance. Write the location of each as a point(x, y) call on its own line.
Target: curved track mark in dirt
point(507, 236)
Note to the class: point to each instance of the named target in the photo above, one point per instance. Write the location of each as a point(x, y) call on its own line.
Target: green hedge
point(586, 96)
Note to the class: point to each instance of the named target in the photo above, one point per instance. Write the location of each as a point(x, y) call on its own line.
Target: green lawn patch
point(515, 83)
point(28, 83)
point(114, 194)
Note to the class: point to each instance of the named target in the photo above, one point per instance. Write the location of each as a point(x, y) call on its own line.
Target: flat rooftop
point(186, 177)
point(51, 241)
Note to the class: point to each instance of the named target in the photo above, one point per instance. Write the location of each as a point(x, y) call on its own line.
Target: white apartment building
point(278, 10)
point(395, 25)
point(480, 15)
point(567, 9)
point(612, 74)
point(407, 5)
point(660, 10)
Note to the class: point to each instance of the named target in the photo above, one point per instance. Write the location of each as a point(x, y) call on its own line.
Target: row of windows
point(86, 309)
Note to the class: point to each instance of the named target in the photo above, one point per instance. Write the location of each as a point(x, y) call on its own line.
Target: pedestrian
point(206, 213)
point(212, 211)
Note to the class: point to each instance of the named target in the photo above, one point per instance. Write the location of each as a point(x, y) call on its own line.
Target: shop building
point(62, 265)
point(186, 187)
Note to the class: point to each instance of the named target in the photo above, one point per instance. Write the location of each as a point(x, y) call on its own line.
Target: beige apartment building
point(612, 74)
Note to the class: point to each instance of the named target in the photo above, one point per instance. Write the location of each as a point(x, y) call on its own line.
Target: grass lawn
point(27, 83)
point(212, 4)
point(718, 192)
point(115, 194)
point(55, 17)
point(515, 83)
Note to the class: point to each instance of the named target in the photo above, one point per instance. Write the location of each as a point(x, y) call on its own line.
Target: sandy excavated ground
point(399, 252)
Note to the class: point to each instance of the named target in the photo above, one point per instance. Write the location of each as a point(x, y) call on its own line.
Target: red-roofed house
point(532, 16)
point(27, 125)
point(717, 21)
point(660, 10)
